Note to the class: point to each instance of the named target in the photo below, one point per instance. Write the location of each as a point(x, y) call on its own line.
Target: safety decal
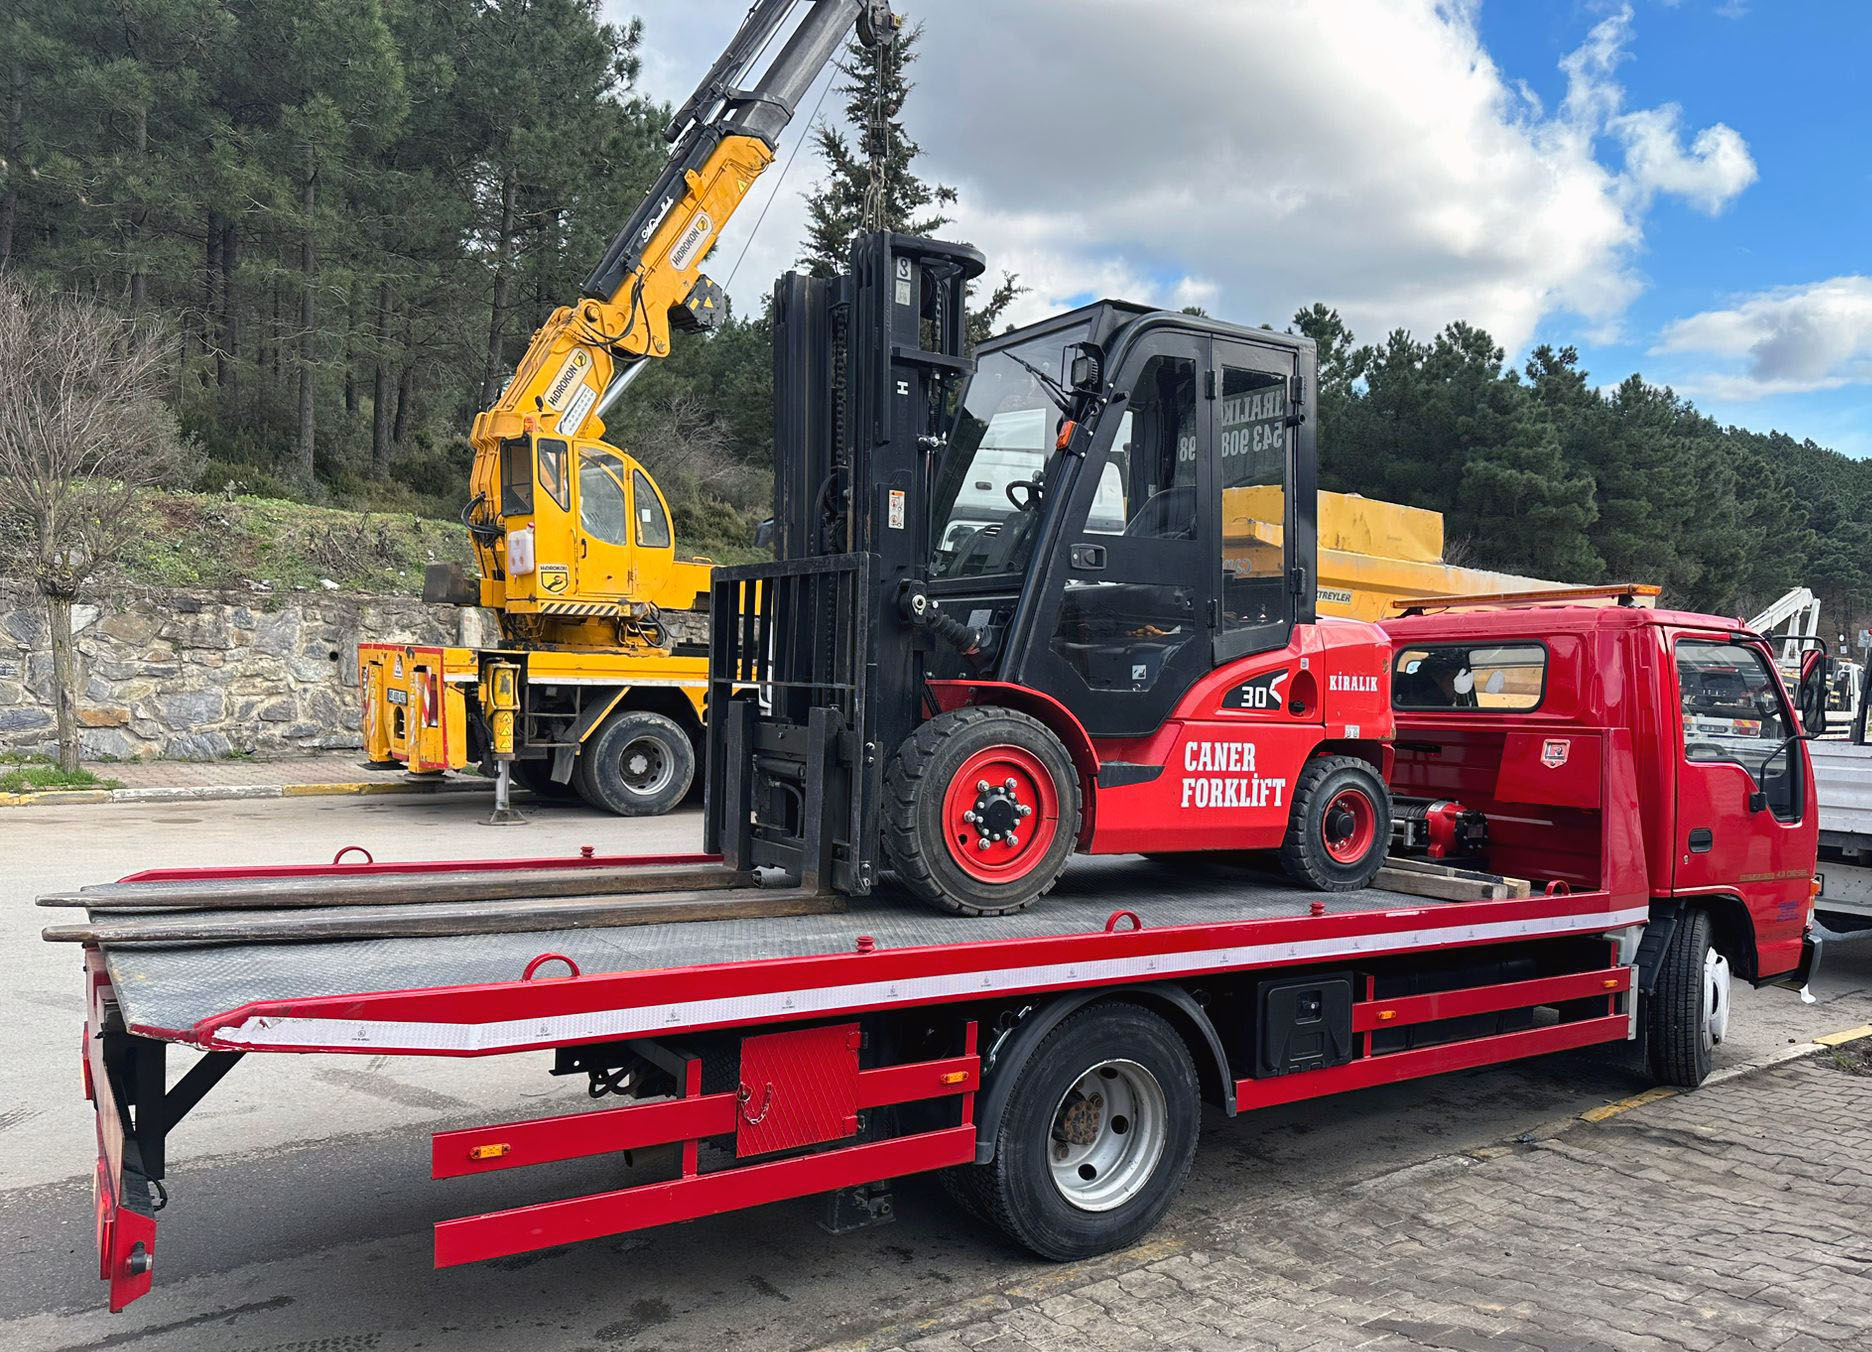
point(555, 579)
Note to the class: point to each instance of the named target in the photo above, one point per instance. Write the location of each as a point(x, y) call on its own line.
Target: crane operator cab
point(1094, 608)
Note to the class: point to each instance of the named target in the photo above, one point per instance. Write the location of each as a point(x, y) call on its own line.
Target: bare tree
point(82, 433)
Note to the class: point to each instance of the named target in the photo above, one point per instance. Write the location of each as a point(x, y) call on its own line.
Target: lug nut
point(1011, 786)
point(981, 786)
point(968, 817)
point(982, 844)
point(1012, 840)
point(1024, 810)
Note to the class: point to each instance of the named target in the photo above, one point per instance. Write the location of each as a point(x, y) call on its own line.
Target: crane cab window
point(602, 514)
point(1733, 711)
point(516, 476)
point(552, 472)
point(1505, 678)
point(653, 530)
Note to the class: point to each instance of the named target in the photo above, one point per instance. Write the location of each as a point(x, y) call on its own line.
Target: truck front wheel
point(1096, 1139)
point(1687, 1016)
point(638, 764)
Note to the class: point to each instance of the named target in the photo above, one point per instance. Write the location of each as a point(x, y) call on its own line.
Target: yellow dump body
point(1370, 552)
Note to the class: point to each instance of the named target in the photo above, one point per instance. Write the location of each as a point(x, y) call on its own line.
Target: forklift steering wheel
point(1033, 494)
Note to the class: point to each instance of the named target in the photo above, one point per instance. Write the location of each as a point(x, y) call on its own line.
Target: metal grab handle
point(545, 958)
point(1111, 922)
point(339, 857)
point(1558, 888)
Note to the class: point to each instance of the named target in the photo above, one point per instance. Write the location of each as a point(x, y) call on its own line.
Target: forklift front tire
point(638, 764)
point(981, 810)
point(1339, 827)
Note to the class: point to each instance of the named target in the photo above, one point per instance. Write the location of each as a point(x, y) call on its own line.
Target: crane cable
point(877, 195)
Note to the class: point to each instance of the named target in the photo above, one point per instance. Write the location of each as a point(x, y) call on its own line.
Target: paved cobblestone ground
point(333, 767)
point(1738, 1217)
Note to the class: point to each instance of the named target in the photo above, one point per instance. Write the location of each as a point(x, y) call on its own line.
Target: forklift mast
point(816, 670)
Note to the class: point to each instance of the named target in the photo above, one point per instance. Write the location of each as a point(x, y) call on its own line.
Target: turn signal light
point(1386, 1015)
point(1064, 438)
point(953, 1077)
point(489, 1152)
point(1610, 983)
point(1813, 887)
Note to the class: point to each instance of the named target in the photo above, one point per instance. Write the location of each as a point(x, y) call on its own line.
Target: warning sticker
point(575, 412)
point(896, 513)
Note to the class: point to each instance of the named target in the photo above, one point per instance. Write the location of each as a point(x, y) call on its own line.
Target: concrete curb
point(1781, 1057)
point(220, 792)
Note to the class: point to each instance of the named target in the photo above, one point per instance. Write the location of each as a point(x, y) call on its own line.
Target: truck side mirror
point(1810, 694)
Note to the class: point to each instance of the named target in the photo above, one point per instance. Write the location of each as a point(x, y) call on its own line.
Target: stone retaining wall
point(199, 675)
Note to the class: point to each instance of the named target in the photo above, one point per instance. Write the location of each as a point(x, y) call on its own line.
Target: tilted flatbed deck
point(426, 995)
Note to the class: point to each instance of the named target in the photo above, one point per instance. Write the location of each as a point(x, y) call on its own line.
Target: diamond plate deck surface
point(177, 987)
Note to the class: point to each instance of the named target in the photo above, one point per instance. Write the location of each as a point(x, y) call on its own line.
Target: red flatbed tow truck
point(1053, 1061)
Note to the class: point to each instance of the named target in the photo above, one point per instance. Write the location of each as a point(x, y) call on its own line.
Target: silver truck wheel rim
point(647, 767)
point(1715, 998)
point(1107, 1135)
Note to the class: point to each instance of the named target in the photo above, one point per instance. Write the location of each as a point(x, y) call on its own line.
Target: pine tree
point(874, 91)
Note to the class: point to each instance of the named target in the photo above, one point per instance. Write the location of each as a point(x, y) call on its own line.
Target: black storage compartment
point(1303, 1023)
point(1452, 977)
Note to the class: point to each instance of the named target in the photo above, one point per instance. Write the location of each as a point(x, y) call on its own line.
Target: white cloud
point(1786, 341)
point(1252, 156)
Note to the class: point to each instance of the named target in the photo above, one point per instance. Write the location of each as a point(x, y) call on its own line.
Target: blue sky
point(1790, 77)
point(1679, 189)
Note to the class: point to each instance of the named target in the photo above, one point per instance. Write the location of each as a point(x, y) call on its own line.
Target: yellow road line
point(1625, 1105)
point(1849, 1035)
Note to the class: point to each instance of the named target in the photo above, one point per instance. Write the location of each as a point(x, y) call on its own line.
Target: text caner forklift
point(968, 695)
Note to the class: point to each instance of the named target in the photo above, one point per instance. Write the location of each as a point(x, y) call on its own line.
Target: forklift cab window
point(601, 497)
point(1128, 615)
point(653, 530)
point(991, 480)
point(1733, 711)
point(1251, 456)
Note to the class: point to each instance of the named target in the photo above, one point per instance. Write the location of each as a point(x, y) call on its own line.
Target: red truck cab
point(1510, 708)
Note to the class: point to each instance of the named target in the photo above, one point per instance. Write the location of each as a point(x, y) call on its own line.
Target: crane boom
point(648, 282)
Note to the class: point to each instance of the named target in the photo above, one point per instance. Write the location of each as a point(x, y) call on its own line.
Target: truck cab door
point(604, 562)
point(1745, 813)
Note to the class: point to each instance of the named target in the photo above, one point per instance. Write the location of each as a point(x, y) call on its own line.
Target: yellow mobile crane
point(571, 536)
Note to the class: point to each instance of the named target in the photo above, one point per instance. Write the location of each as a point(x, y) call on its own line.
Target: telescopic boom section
point(724, 136)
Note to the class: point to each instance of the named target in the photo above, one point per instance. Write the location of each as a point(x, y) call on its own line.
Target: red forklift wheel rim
point(995, 766)
point(1350, 846)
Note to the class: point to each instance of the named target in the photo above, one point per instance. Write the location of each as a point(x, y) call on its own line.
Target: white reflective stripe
point(263, 1031)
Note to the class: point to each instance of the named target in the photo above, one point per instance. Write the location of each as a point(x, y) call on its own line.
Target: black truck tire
point(1339, 825)
point(638, 764)
point(981, 810)
point(1688, 1013)
point(1096, 1139)
point(536, 776)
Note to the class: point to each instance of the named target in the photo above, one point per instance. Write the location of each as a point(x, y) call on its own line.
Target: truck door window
point(602, 514)
point(1733, 711)
point(1252, 458)
point(652, 525)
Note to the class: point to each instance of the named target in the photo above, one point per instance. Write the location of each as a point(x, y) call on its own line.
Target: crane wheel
point(638, 764)
point(1339, 827)
point(981, 810)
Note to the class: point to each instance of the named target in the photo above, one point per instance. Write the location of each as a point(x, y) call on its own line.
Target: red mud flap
point(810, 1090)
point(126, 1217)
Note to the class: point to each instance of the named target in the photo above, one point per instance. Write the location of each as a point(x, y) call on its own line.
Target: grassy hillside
point(206, 540)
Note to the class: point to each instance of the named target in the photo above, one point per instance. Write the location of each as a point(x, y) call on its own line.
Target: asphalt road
point(301, 1202)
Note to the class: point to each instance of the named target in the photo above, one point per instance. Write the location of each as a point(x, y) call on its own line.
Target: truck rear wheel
point(638, 764)
point(1096, 1139)
point(1339, 827)
point(1687, 1016)
point(981, 810)
point(536, 776)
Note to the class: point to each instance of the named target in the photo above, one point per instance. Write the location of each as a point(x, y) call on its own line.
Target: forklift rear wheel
point(1097, 1137)
point(638, 764)
point(536, 776)
point(1339, 828)
point(981, 810)
point(1688, 1014)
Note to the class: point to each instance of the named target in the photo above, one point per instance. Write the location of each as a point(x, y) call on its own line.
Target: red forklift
point(1057, 597)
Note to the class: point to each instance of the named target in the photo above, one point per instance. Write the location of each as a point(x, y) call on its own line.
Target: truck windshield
point(1003, 436)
